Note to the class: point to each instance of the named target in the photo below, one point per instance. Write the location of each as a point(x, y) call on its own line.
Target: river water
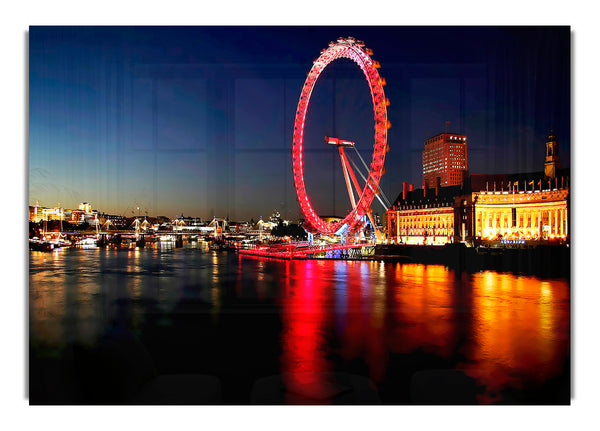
point(302, 331)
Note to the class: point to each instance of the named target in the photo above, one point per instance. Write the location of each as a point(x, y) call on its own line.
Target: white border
point(18, 16)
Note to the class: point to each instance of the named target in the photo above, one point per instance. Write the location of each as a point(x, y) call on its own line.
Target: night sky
point(199, 120)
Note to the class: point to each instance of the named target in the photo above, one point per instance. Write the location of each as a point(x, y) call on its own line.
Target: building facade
point(84, 214)
point(536, 214)
point(38, 214)
point(445, 160)
point(423, 216)
point(527, 209)
point(484, 208)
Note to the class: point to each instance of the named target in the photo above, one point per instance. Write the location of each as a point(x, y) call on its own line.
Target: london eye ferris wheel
point(354, 50)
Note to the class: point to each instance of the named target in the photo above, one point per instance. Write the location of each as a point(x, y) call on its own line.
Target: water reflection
point(370, 318)
point(304, 346)
point(47, 301)
point(423, 309)
point(510, 331)
point(520, 331)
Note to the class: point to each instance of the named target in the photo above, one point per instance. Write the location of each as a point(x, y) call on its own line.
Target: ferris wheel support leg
point(347, 166)
point(347, 178)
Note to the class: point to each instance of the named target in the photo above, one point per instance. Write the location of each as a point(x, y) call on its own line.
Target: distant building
point(78, 216)
point(275, 217)
point(35, 213)
point(38, 213)
point(239, 227)
point(189, 223)
point(85, 207)
point(445, 160)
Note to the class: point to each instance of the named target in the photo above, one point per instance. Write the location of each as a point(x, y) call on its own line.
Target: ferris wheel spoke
point(379, 195)
point(387, 202)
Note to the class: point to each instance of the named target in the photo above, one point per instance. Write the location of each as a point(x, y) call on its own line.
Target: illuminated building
point(79, 216)
point(85, 207)
point(422, 216)
point(84, 214)
point(37, 213)
point(524, 210)
point(526, 206)
point(444, 160)
point(486, 208)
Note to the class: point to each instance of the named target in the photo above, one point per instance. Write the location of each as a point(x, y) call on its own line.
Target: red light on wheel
point(348, 49)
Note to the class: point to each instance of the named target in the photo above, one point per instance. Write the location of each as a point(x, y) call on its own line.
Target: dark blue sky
point(199, 119)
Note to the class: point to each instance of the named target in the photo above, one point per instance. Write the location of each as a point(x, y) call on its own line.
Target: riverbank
point(546, 260)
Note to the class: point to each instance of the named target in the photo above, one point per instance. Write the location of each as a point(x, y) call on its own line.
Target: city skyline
point(186, 119)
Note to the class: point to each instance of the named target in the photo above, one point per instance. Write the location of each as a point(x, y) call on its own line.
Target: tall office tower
point(444, 160)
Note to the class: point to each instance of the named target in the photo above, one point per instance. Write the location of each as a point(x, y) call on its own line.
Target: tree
point(297, 231)
point(279, 230)
point(292, 230)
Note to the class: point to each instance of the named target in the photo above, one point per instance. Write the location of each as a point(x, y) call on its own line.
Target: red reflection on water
point(513, 331)
point(304, 320)
point(355, 334)
point(324, 300)
point(364, 334)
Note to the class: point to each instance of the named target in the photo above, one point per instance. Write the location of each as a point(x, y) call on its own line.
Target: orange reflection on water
point(46, 300)
point(424, 309)
point(520, 331)
point(378, 292)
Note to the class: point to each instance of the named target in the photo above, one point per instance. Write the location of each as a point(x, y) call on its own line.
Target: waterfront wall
point(543, 260)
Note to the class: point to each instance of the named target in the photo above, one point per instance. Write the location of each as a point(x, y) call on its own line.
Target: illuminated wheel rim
point(355, 51)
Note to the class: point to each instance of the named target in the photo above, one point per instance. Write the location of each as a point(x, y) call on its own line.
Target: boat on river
point(43, 244)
